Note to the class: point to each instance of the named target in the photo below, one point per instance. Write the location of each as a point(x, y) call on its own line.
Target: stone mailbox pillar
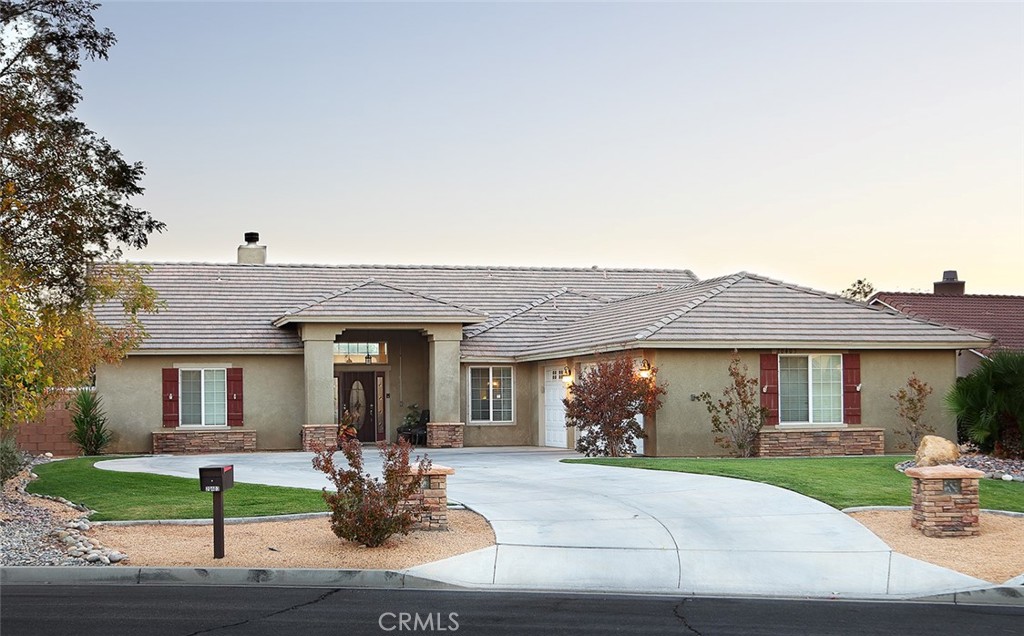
point(433, 494)
point(945, 500)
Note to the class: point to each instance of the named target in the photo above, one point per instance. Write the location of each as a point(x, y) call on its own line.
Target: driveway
point(566, 526)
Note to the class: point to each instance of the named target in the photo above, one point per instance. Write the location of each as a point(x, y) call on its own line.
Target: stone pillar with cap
point(945, 501)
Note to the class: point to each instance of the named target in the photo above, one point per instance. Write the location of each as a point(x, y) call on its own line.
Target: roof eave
point(384, 320)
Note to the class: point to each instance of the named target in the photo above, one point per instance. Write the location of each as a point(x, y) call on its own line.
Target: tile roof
point(517, 313)
point(746, 310)
point(1000, 316)
point(219, 307)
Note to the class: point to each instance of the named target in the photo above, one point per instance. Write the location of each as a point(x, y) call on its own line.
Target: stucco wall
point(274, 402)
point(523, 429)
point(684, 426)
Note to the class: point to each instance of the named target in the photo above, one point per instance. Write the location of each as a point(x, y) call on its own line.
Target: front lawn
point(132, 496)
point(841, 482)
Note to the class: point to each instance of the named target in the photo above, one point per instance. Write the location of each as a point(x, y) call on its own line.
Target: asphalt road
point(43, 610)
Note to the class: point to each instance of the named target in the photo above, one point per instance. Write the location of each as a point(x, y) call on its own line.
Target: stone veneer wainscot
point(790, 442)
point(194, 442)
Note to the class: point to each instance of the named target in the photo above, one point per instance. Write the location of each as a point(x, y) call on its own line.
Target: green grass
point(132, 496)
point(841, 482)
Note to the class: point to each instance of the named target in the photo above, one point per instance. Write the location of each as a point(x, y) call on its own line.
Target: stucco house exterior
point(999, 316)
point(250, 355)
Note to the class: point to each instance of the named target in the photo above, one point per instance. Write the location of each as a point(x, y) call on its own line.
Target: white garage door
point(554, 410)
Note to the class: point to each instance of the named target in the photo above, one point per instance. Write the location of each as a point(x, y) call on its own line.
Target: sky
point(817, 143)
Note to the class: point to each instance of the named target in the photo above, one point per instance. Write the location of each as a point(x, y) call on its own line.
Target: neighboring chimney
point(949, 285)
point(251, 253)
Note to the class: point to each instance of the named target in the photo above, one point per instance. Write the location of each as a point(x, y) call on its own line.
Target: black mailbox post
point(217, 479)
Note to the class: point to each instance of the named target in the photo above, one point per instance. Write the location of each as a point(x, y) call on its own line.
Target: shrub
point(990, 404)
point(89, 432)
point(911, 401)
point(365, 509)
point(737, 417)
point(12, 459)
point(603, 404)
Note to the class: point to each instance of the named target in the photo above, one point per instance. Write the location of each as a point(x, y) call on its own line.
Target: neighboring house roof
point(1000, 316)
point(746, 310)
point(232, 307)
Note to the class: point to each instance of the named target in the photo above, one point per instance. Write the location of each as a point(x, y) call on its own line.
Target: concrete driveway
point(565, 526)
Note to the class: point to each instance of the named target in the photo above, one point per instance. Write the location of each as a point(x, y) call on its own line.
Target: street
point(43, 610)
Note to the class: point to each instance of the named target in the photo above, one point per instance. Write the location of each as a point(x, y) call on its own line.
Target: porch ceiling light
point(567, 374)
point(368, 359)
point(645, 369)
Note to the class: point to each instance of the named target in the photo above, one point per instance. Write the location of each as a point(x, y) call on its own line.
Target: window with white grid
point(811, 389)
point(490, 394)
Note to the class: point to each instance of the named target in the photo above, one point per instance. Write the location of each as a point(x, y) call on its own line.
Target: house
point(251, 355)
point(1001, 317)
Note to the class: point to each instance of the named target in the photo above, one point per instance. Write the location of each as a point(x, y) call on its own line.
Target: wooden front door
point(362, 394)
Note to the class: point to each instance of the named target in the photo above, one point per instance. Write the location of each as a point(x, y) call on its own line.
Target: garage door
point(554, 410)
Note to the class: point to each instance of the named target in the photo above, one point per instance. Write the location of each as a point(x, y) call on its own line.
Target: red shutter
point(770, 387)
point(170, 397)
point(234, 397)
point(851, 384)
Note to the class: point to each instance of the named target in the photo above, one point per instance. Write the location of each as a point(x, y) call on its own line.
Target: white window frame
point(810, 390)
point(202, 397)
point(490, 396)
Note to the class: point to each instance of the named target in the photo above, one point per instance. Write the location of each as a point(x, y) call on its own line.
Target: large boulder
point(936, 451)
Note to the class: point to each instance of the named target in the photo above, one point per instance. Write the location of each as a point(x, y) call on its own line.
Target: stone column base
point(445, 434)
point(322, 435)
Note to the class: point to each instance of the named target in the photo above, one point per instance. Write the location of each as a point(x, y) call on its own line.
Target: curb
point(1005, 513)
point(281, 577)
point(999, 595)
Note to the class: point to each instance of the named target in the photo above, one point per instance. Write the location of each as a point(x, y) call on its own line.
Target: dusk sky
point(816, 143)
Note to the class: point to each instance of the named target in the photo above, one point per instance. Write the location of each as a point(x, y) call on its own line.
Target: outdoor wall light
point(368, 359)
point(567, 374)
point(645, 369)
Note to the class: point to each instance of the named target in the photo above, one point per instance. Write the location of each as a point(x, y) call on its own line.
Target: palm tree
point(990, 403)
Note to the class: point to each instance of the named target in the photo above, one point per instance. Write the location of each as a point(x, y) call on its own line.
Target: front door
point(362, 395)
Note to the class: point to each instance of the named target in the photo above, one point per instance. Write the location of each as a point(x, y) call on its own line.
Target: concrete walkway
point(565, 526)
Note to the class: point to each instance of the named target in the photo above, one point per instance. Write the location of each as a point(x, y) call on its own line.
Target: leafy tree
point(71, 185)
point(990, 403)
point(859, 290)
point(365, 509)
point(737, 417)
point(64, 207)
point(911, 401)
point(89, 424)
point(603, 404)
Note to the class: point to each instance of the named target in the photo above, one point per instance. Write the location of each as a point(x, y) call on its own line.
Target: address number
point(212, 488)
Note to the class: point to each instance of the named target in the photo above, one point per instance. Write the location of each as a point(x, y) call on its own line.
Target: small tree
point(603, 404)
point(365, 509)
point(911, 401)
point(859, 290)
point(89, 423)
point(737, 417)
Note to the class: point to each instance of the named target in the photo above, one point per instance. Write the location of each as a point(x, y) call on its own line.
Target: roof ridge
point(671, 317)
point(429, 297)
point(476, 330)
point(482, 268)
point(933, 295)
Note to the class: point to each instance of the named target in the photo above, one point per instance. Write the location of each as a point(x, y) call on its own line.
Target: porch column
point(444, 391)
point(318, 358)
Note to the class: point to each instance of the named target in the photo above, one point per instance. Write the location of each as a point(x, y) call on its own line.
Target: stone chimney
point(253, 254)
point(949, 285)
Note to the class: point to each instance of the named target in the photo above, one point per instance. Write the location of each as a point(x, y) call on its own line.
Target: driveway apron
point(570, 526)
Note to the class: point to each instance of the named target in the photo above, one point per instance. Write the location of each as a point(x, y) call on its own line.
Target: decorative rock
point(936, 451)
point(1007, 477)
point(92, 557)
point(105, 560)
point(116, 557)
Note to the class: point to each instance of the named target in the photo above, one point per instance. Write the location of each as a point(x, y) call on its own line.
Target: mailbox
point(216, 478)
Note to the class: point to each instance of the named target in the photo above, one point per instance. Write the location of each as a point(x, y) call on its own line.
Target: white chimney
point(251, 253)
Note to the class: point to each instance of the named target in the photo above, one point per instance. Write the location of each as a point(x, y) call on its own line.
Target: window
point(811, 389)
point(204, 397)
point(490, 394)
point(356, 352)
